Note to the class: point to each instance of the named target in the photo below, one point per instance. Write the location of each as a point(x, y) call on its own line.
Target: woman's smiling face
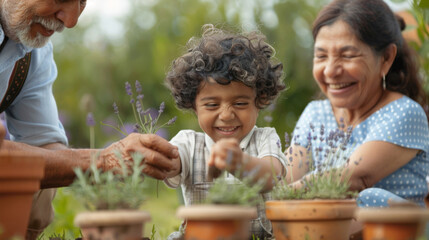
point(226, 111)
point(347, 71)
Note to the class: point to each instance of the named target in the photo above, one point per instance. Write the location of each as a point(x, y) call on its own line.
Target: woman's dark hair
point(374, 23)
point(226, 57)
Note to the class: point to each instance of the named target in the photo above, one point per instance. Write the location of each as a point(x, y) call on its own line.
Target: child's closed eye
point(241, 104)
point(211, 105)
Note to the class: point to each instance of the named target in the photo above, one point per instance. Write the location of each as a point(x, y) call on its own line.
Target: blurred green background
point(100, 54)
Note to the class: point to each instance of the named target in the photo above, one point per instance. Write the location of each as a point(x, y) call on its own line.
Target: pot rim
point(392, 215)
point(318, 209)
point(216, 212)
point(313, 201)
point(111, 217)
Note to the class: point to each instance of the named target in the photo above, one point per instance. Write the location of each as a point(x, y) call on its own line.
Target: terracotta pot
point(311, 219)
point(392, 223)
point(112, 225)
point(20, 176)
point(212, 222)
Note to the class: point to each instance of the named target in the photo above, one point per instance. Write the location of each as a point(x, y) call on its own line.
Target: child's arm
point(226, 154)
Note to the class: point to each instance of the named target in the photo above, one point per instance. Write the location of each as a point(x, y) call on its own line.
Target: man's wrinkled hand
point(158, 154)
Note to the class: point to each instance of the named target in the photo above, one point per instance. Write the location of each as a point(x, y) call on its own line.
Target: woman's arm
point(375, 160)
point(298, 162)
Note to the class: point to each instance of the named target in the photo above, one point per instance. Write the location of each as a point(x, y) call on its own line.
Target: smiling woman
point(369, 76)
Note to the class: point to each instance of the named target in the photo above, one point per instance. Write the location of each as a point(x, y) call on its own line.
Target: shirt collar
point(243, 144)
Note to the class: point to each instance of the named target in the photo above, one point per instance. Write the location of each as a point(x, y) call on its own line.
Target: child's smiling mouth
point(227, 130)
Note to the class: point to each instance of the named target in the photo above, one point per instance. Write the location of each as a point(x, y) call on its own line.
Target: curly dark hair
point(225, 57)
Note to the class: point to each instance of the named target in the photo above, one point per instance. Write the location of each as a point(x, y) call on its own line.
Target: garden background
point(101, 53)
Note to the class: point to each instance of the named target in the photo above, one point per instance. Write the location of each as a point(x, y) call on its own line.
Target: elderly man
point(27, 72)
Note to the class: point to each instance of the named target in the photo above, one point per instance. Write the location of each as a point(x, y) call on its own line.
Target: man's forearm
point(59, 161)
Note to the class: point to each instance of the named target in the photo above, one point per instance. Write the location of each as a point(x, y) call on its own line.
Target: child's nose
point(226, 114)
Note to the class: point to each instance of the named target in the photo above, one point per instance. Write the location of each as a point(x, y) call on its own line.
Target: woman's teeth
point(339, 85)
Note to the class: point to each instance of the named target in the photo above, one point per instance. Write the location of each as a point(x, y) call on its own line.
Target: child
point(226, 79)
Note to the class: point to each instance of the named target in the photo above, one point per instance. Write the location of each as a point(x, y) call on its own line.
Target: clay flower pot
point(311, 219)
point(392, 223)
point(112, 225)
point(20, 176)
point(212, 222)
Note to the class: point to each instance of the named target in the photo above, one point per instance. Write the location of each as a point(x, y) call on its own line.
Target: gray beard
point(21, 32)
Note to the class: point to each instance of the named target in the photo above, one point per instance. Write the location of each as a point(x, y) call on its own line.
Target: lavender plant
point(118, 188)
point(243, 192)
point(121, 187)
point(328, 177)
point(145, 123)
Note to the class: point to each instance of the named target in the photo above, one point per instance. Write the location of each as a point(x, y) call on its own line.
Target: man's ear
point(388, 58)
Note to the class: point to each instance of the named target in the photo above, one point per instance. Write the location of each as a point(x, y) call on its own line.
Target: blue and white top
point(402, 122)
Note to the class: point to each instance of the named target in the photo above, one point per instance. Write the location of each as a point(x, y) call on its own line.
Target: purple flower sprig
point(91, 123)
point(121, 127)
point(145, 123)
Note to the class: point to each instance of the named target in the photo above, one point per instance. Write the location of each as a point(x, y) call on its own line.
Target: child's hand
point(226, 154)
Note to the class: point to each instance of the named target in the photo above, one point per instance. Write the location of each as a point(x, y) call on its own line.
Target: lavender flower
point(128, 89)
point(161, 108)
point(287, 140)
point(171, 121)
point(90, 119)
point(115, 108)
point(138, 107)
point(138, 87)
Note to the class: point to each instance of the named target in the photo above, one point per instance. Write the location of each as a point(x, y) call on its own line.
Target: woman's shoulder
point(319, 104)
point(317, 111)
point(403, 108)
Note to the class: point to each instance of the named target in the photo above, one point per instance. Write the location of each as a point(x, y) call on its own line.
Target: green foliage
point(99, 68)
point(420, 11)
point(122, 188)
point(235, 192)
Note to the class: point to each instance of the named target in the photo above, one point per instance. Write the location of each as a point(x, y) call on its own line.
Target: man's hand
point(226, 154)
point(161, 158)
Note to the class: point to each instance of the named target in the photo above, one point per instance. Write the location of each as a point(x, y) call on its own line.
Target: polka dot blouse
point(402, 122)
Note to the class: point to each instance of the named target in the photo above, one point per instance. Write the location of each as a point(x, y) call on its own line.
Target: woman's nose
point(332, 68)
point(69, 12)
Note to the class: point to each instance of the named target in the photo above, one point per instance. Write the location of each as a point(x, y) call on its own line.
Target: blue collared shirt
point(32, 117)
